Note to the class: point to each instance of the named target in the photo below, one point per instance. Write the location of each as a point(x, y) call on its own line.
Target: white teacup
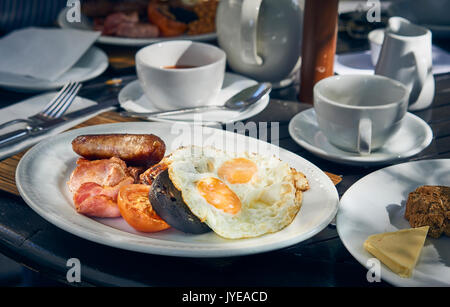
point(180, 74)
point(359, 113)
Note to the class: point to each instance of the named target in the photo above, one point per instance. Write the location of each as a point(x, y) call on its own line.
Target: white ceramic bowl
point(169, 89)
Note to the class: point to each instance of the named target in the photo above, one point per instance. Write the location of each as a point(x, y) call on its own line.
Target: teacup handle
point(365, 136)
point(249, 25)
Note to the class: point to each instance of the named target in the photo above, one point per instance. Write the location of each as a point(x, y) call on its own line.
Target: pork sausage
point(135, 149)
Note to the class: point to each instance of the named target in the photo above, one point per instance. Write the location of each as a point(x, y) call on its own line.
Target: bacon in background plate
point(126, 25)
point(137, 30)
point(113, 21)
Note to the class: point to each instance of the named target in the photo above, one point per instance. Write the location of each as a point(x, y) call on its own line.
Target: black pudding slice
point(166, 200)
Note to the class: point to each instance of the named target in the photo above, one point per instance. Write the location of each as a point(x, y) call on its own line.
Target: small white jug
point(406, 56)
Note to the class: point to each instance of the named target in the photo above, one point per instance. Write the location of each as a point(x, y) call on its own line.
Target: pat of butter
point(398, 250)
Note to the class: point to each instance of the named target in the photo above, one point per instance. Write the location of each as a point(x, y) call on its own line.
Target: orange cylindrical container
point(318, 46)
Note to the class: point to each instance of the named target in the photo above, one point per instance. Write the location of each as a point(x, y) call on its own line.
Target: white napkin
point(360, 62)
point(43, 53)
point(32, 106)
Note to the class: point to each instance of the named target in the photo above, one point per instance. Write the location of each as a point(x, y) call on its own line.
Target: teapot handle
point(423, 70)
point(249, 25)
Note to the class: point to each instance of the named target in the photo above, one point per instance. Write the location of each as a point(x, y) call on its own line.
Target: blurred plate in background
point(432, 14)
point(92, 64)
point(86, 24)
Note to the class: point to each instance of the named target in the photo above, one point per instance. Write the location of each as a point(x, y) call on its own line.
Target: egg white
point(270, 200)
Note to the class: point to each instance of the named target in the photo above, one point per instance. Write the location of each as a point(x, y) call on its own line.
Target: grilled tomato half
point(135, 208)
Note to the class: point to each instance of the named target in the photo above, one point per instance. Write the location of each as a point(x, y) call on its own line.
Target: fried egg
point(238, 195)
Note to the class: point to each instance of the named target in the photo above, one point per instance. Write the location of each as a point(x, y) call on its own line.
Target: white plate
point(92, 64)
point(42, 174)
point(86, 24)
point(132, 98)
point(413, 137)
point(376, 204)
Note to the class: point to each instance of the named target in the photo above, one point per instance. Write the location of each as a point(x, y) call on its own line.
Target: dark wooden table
point(320, 261)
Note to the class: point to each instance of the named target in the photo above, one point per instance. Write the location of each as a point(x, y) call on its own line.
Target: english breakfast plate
point(86, 24)
point(376, 204)
point(44, 170)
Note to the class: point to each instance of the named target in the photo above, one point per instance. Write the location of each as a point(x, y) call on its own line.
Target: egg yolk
point(239, 170)
point(218, 194)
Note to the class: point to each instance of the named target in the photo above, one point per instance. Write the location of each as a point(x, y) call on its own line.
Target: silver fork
point(53, 110)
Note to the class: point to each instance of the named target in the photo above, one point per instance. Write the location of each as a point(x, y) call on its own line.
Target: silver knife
point(31, 131)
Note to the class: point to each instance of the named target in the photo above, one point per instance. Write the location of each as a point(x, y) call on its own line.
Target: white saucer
point(132, 98)
point(360, 62)
point(376, 204)
point(92, 64)
point(413, 137)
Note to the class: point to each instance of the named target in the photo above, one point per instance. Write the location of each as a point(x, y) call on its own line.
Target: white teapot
point(262, 38)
